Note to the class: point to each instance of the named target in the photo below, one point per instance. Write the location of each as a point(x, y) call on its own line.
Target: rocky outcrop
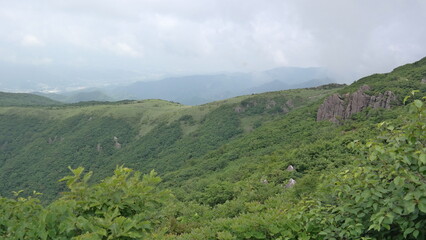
point(275, 105)
point(117, 145)
point(337, 107)
point(99, 147)
point(54, 139)
point(239, 109)
point(290, 168)
point(290, 183)
point(270, 104)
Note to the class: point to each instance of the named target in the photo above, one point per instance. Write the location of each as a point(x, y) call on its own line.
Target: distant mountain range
point(200, 89)
point(78, 96)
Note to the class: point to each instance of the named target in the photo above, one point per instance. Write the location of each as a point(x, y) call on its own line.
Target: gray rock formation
point(99, 147)
point(117, 145)
point(290, 183)
point(290, 168)
point(423, 81)
point(336, 107)
point(52, 140)
point(270, 104)
point(239, 109)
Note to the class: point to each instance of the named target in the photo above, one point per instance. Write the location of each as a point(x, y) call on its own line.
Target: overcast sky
point(352, 38)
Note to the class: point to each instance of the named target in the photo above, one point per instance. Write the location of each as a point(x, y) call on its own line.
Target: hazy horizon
point(93, 43)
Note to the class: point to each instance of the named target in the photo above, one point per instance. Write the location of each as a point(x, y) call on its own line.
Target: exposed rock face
point(290, 168)
point(423, 81)
point(336, 107)
point(332, 109)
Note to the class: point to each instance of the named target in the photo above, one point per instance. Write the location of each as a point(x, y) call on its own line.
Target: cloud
point(352, 38)
point(121, 48)
point(357, 38)
point(31, 41)
point(41, 61)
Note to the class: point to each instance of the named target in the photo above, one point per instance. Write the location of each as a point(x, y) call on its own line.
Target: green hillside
point(401, 80)
point(252, 167)
point(39, 143)
point(24, 99)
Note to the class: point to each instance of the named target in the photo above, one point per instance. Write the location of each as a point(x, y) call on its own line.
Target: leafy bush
point(124, 206)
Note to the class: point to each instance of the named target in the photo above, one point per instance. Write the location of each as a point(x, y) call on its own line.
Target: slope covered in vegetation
point(37, 144)
point(24, 99)
point(227, 167)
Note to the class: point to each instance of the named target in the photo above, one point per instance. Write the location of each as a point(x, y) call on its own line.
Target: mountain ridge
point(25, 99)
point(200, 89)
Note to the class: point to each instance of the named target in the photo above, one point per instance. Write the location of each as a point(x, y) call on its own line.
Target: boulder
point(117, 145)
point(290, 168)
point(290, 183)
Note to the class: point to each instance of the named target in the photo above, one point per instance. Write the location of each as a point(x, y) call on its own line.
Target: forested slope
point(38, 143)
point(254, 167)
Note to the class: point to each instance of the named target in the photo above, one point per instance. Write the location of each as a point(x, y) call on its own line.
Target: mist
point(48, 45)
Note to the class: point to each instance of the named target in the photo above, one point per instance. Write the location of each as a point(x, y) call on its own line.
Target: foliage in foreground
point(124, 206)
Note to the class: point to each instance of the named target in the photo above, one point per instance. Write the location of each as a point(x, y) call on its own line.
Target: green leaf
point(408, 231)
point(409, 206)
point(405, 99)
point(416, 233)
point(418, 103)
point(414, 92)
point(422, 205)
point(422, 158)
point(399, 181)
